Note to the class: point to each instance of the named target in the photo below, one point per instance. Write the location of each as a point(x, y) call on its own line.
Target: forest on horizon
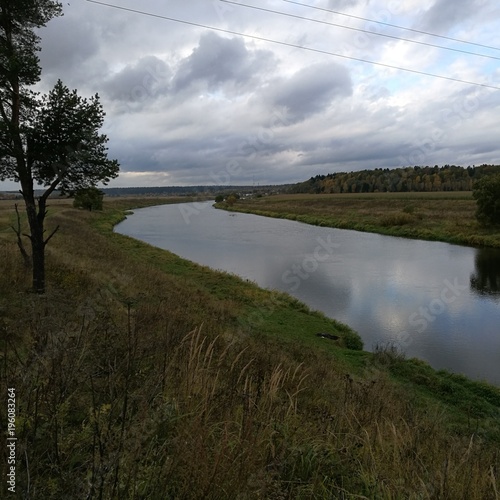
point(379, 180)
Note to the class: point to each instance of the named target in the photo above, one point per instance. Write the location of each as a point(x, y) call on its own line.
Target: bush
point(231, 200)
point(486, 192)
point(388, 354)
point(397, 219)
point(88, 199)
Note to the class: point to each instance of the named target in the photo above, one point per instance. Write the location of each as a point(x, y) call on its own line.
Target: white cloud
point(182, 102)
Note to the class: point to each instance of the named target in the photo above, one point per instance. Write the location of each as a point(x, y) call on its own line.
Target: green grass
point(443, 216)
point(142, 375)
point(468, 404)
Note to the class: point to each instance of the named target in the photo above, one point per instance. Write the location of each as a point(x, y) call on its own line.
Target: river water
point(436, 301)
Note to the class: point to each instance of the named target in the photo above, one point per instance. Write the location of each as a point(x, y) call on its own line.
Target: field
point(442, 216)
point(142, 375)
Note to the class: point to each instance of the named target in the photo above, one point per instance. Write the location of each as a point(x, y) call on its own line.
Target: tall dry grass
point(443, 216)
point(136, 383)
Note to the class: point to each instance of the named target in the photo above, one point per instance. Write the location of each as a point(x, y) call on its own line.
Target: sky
point(269, 97)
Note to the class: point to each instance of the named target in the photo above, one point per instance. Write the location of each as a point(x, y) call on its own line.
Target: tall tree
point(51, 141)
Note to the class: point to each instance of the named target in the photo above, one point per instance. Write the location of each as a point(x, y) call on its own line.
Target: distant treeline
point(189, 190)
point(161, 191)
point(447, 178)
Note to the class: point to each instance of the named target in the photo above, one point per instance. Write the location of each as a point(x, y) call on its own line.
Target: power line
point(358, 29)
point(420, 32)
point(292, 45)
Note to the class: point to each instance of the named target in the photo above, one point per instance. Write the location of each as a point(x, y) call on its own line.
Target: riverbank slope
point(439, 216)
point(142, 375)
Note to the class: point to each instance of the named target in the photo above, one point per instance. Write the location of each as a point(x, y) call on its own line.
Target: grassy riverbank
point(441, 216)
point(142, 375)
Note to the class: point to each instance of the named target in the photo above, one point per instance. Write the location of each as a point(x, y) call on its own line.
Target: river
point(436, 301)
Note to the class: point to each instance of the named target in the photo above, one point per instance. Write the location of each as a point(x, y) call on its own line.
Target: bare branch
point(17, 230)
point(51, 234)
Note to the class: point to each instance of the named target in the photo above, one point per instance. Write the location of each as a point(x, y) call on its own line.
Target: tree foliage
point(421, 179)
point(487, 195)
point(88, 199)
point(19, 44)
point(67, 149)
point(50, 140)
point(231, 200)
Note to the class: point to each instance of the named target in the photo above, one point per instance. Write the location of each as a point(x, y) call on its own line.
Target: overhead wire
point(291, 45)
point(382, 23)
point(384, 35)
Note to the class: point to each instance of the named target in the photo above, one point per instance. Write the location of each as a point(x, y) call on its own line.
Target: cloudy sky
point(192, 105)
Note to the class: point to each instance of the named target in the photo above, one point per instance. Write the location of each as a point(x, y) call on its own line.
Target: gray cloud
point(218, 60)
point(62, 53)
point(345, 4)
point(445, 14)
point(183, 103)
point(145, 79)
point(311, 90)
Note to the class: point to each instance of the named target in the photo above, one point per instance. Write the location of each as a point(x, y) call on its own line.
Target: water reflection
point(432, 298)
point(486, 279)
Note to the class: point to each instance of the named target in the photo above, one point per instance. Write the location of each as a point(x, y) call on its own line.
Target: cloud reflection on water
point(437, 295)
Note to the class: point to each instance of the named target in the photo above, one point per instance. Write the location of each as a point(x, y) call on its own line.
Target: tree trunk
point(15, 78)
point(36, 222)
point(38, 255)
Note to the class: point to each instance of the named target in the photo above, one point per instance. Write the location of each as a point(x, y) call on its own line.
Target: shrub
point(486, 192)
point(352, 340)
point(397, 219)
point(231, 200)
point(388, 354)
point(88, 199)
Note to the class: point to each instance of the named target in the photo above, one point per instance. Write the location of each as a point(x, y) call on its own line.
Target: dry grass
point(436, 216)
point(134, 382)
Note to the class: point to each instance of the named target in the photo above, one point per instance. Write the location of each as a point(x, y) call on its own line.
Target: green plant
point(399, 219)
point(88, 199)
point(138, 382)
point(231, 200)
point(486, 192)
point(387, 354)
point(443, 216)
point(50, 140)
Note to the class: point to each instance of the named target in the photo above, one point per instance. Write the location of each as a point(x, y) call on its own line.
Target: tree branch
point(51, 234)
point(50, 189)
point(3, 113)
point(17, 230)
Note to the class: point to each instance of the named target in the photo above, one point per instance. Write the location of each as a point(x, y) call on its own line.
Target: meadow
point(441, 216)
point(142, 375)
